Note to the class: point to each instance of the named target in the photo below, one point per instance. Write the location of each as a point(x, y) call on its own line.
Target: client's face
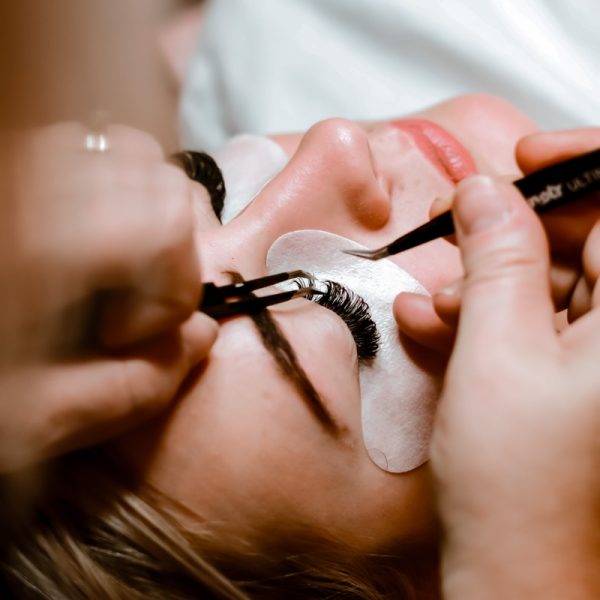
point(243, 445)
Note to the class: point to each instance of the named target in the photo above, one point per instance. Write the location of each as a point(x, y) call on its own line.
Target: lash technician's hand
point(574, 236)
point(516, 450)
point(573, 231)
point(100, 282)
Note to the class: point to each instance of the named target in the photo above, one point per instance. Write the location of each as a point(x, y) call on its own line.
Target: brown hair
point(89, 535)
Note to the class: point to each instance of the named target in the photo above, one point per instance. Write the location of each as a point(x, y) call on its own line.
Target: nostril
point(373, 209)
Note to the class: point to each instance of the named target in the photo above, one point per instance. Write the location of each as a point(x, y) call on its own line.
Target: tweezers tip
point(370, 254)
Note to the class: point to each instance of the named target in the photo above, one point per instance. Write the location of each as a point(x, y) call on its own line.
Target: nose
point(330, 183)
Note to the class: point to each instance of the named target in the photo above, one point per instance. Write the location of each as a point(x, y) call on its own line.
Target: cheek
point(374, 510)
point(407, 504)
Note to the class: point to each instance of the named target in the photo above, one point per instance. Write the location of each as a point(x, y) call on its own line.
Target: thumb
point(506, 293)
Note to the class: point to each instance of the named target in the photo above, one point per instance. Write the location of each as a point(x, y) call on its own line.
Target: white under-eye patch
point(248, 163)
point(397, 396)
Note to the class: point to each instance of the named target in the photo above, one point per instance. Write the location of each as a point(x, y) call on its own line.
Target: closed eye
point(353, 310)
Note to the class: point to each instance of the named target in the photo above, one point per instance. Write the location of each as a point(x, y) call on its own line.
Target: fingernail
point(450, 290)
point(479, 205)
point(438, 206)
point(205, 332)
point(210, 326)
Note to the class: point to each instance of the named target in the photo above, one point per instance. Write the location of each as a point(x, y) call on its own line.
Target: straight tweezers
point(220, 302)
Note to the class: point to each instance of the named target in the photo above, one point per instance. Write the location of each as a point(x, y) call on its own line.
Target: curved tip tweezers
point(543, 190)
point(439, 226)
point(220, 302)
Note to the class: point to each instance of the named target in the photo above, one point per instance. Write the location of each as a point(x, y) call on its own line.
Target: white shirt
point(266, 66)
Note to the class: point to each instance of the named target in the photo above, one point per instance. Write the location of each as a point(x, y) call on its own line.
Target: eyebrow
point(277, 344)
point(286, 359)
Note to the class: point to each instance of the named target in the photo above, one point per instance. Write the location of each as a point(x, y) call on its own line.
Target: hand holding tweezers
point(543, 190)
point(220, 302)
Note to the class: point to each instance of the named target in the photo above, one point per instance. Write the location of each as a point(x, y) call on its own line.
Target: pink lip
point(443, 150)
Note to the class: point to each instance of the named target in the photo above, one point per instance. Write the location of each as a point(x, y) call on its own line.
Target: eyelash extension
point(352, 309)
point(201, 167)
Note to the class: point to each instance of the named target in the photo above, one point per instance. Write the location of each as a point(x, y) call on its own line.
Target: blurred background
point(64, 59)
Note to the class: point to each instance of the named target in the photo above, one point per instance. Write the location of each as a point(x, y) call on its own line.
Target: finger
point(416, 317)
point(543, 149)
point(123, 140)
point(143, 252)
point(567, 226)
point(167, 291)
point(89, 402)
point(446, 302)
point(582, 343)
point(506, 294)
point(135, 143)
point(591, 256)
point(563, 279)
point(596, 295)
point(585, 293)
point(131, 216)
point(439, 205)
point(581, 300)
point(131, 225)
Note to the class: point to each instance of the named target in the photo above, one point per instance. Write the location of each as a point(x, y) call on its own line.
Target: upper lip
point(438, 145)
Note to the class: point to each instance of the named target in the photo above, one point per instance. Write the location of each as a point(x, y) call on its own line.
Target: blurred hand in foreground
point(100, 284)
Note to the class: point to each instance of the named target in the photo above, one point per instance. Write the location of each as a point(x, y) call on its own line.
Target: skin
point(241, 446)
point(515, 452)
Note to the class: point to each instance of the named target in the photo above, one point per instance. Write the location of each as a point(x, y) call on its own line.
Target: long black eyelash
point(354, 311)
point(201, 167)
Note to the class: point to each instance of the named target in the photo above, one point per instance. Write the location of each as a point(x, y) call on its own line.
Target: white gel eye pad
point(397, 396)
point(247, 162)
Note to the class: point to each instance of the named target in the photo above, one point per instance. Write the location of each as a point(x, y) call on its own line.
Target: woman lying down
point(295, 462)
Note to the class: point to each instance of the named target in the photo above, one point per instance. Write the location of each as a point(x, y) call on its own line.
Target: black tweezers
point(220, 302)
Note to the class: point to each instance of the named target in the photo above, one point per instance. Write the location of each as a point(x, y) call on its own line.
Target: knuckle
point(505, 261)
